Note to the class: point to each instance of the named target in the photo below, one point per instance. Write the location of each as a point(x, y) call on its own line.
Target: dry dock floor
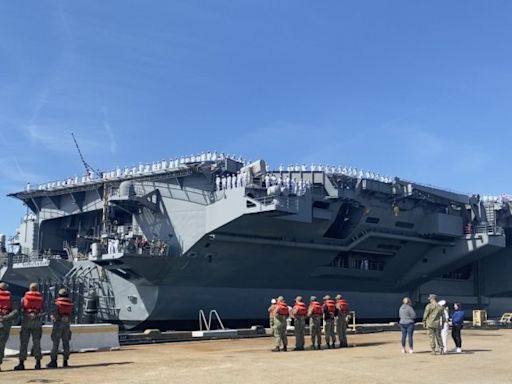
point(374, 358)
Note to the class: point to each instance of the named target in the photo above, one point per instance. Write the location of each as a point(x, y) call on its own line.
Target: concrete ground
point(373, 358)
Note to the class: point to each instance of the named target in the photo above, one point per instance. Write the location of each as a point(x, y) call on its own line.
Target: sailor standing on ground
point(407, 320)
point(271, 314)
point(445, 327)
point(457, 323)
point(432, 322)
point(7, 314)
point(330, 312)
point(61, 330)
point(299, 313)
point(342, 320)
point(280, 315)
point(31, 326)
point(315, 322)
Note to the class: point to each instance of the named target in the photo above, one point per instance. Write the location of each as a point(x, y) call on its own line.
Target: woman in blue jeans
point(407, 320)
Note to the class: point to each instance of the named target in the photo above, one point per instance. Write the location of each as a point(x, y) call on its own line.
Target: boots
point(52, 364)
point(38, 364)
point(65, 363)
point(20, 366)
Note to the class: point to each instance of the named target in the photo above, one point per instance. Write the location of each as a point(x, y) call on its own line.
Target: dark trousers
point(456, 335)
point(407, 331)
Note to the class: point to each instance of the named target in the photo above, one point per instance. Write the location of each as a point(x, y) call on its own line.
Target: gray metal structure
point(165, 240)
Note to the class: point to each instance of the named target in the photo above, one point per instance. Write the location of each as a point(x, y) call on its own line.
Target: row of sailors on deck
point(141, 169)
point(501, 199)
point(237, 180)
point(241, 179)
point(331, 169)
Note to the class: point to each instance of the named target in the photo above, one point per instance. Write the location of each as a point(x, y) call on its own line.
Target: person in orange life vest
point(299, 313)
point(342, 320)
point(7, 314)
point(31, 326)
point(61, 330)
point(315, 322)
point(330, 312)
point(281, 313)
point(271, 313)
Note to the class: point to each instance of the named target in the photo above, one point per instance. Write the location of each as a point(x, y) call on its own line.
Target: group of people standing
point(436, 320)
point(31, 310)
point(334, 313)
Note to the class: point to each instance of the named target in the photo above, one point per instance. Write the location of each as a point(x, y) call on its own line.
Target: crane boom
point(88, 169)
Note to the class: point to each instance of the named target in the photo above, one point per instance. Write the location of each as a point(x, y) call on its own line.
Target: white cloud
point(108, 129)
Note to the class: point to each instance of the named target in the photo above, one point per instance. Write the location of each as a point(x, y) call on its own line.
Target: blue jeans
point(407, 331)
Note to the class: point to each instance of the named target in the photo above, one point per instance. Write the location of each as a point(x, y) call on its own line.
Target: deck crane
point(89, 171)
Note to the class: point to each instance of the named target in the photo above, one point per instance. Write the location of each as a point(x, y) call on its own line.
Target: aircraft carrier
point(158, 242)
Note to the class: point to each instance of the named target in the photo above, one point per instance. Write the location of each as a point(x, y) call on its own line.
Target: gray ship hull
point(163, 242)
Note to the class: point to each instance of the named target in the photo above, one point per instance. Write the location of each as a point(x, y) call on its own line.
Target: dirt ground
point(372, 358)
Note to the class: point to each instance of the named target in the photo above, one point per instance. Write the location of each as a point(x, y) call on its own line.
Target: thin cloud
point(108, 129)
point(13, 173)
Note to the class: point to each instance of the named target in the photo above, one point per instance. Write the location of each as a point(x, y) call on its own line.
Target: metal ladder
point(208, 324)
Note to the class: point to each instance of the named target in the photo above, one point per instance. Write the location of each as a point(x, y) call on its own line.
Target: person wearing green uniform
point(299, 313)
point(31, 326)
point(433, 316)
point(330, 313)
point(315, 312)
point(281, 313)
point(61, 330)
point(342, 320)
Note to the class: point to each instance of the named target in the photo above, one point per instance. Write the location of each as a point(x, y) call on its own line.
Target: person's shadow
point(98, 365)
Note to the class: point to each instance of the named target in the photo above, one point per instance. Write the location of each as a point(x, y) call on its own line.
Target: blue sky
point(422, 90)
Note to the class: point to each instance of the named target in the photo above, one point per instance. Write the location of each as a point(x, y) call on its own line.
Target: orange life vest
point(5, 302)
point(331, 306)
point(64, 306)
point(342, 305)
point(33, 302)
point(282, 308)
point(316, 308)
point(300, 309)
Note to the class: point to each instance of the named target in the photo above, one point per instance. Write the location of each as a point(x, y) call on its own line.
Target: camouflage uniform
point(315, 325)
point(61, 331)
point(280, 331)
point(341, 328)
point(300, 323)
point(432, 322)
point(330, 337)
point(280, 325)
point(31, 325)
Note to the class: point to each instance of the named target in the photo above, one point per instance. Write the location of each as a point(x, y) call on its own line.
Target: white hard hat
point(273, 301)
point(442, 302)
